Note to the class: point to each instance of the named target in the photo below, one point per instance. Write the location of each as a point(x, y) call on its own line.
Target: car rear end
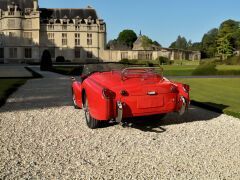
point(142, 94)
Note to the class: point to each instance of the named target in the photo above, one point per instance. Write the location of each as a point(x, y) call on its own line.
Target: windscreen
point(91, 68)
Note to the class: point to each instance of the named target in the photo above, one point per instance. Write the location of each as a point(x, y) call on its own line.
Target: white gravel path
point(43, 137)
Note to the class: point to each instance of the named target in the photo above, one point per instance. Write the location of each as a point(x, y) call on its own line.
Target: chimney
point(35, 5)
point(15, 7)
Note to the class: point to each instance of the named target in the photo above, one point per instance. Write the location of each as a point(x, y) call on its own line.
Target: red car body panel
point(140, 95)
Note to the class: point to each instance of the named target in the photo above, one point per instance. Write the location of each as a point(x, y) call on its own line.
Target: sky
point(161, 20)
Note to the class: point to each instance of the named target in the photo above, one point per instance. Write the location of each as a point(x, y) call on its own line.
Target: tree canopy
point(127, 37)
point(180, 43)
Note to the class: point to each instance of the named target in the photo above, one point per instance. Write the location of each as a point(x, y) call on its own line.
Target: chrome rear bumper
point(184, 106)
point(119, 112)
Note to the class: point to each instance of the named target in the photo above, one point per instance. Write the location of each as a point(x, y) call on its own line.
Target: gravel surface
point(43, 137)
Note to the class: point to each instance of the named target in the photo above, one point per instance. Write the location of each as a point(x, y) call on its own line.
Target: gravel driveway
point(43, 137)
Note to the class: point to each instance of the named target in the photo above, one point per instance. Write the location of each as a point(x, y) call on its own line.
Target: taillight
point(174, 89)
point(108, 94)
point(186, 88)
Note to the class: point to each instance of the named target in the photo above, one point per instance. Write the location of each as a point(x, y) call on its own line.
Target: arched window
point(83, 21)
point(58, 21)
point(70, 21)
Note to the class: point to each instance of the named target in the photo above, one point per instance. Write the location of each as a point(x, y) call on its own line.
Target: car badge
point(151, 93)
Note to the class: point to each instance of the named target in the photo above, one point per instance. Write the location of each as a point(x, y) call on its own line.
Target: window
point(11, 34)
point(124, 55)
point(77, 52)
point(11, 23)
point(51, 38)
point(28, 24)
point(101, 27)
point(89, 28)
point(27, 37)
point(64, 27)
point(64, 39)
point(77, 39)
point(28, 52)
point(1, 38)
point(77, 28)
point(1, 52)
point(89, 39)
point(89, 54)
point(50, 27)
point(12, 52)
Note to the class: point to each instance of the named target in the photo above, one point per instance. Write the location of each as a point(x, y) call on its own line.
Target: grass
point(223, 94)
point(189, 68)
point(8, 86)
point(170, 70)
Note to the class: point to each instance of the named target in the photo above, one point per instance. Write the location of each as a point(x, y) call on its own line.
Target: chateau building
point(77, 34)
point(27, 30)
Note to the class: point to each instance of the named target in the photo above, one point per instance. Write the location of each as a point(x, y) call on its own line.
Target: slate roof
point(22, 3)
point(69, 13)
point(47, 13)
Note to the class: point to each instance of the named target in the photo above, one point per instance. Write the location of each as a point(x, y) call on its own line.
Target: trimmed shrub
point(205, 69)
point(163, 60)
point(235, 60)
point(46, 61)
point(125, 61)
point(149, 64)
point(60, 59)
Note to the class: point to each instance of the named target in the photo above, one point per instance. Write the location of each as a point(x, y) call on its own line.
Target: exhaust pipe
point(73, 79)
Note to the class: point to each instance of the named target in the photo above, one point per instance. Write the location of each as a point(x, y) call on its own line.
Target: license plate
point(150, 102)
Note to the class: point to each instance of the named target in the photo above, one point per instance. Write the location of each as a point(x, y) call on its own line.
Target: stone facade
point(77, 34)
point(172, 54)
point(27, 30)
point(148, 52)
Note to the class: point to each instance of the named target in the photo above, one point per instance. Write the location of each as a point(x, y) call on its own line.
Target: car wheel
point(74, 101)
point(91, 122)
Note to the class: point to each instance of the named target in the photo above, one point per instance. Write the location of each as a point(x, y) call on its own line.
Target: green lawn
point(187, 70)
point(8, 86)
point(221, 93)
point(171, 70)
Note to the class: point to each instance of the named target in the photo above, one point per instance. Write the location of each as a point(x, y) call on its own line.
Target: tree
point(146, 42)
point(230, 29)
point(225, 49)
point(197, 46)
point(157, 43)
point(180, 43)
point(127, 37)
point(209, 43)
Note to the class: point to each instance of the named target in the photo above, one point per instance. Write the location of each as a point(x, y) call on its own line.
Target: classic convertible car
point(114, 92)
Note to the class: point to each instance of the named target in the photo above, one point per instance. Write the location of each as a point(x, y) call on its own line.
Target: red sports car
point(114, 92)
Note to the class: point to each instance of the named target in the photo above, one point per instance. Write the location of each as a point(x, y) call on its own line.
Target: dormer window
point(89, 20)
point(58, 21)
point(51, 21)
point(83, 21)
point(64, 21)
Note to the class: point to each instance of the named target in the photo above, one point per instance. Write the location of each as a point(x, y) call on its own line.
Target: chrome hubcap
point(87, 114)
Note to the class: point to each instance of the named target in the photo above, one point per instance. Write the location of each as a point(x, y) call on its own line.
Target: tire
point(91, 122)
point(161, 116)
point(74, 100)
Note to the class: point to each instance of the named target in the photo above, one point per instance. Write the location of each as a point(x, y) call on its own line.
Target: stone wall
point(172, 54)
